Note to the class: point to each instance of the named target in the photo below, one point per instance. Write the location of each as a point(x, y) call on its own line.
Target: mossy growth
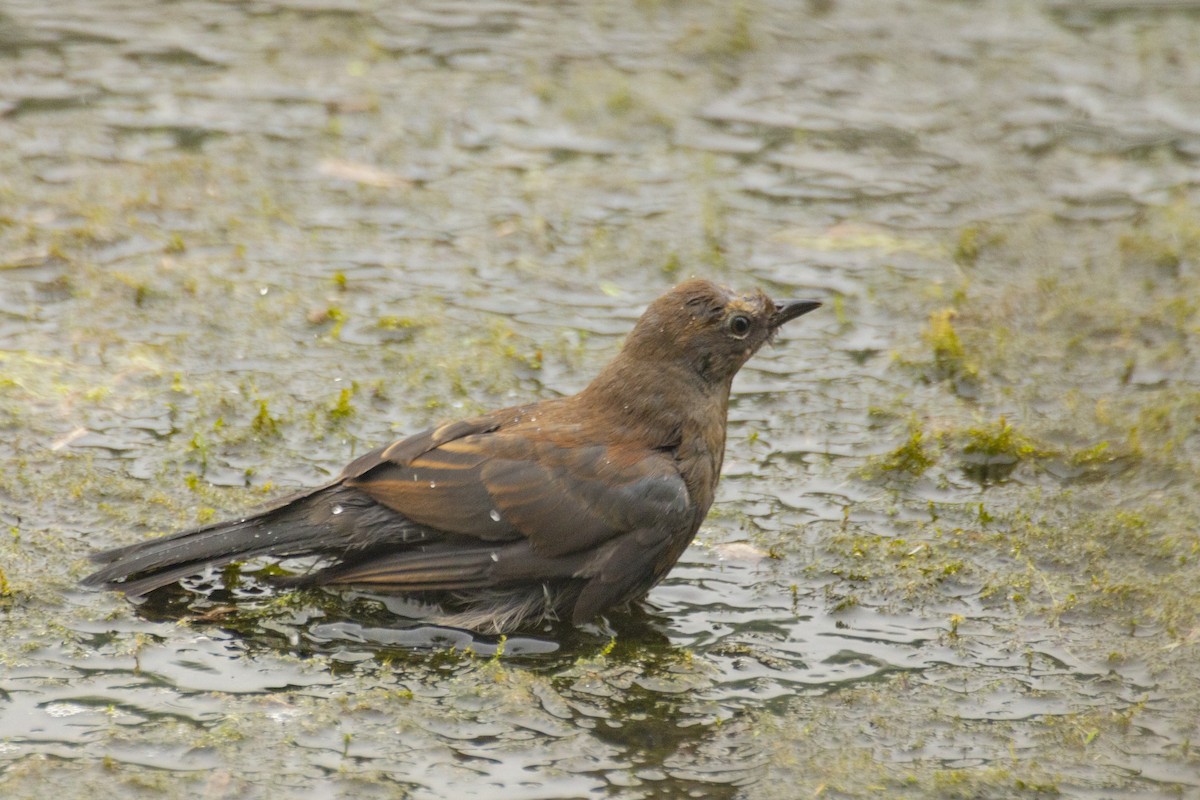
point(966, 252)
point(914, 456)
point(672, 264)
point(950, 360)
point(734, 35)
point(992, 452)
point(505, 341)
point(1142, 246)
point(198, 446)
point(1163, 238)
point(343, 408)
point(263, 423)
point(620, 100)
point(999, 440)
point(972, 240)
point(331, 313)
point(394, 323)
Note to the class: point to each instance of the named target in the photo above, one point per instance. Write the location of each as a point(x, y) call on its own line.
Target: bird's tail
point(287, 529)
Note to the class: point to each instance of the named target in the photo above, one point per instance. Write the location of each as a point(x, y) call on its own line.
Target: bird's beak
point(788, 310)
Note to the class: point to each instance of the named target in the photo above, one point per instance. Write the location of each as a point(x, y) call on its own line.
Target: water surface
point(954, 550)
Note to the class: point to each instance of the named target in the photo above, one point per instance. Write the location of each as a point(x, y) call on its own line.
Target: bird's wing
point(403, 451)
point(506, 486)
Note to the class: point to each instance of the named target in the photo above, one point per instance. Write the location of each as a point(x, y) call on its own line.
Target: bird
point(555, 510)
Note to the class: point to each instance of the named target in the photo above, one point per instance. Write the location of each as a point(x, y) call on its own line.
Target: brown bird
point(559, 509)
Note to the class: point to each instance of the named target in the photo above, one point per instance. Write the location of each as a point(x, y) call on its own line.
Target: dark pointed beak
point(787, 310)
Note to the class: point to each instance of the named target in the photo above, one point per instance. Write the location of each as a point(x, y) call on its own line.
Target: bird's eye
point(739, 325)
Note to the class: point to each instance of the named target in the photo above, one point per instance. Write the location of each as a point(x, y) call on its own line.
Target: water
point(240, 244)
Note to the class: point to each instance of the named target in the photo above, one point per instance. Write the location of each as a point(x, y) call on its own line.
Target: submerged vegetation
point(1041, 463)
point(949, 356)
point(955, 550)
point(1088, 472)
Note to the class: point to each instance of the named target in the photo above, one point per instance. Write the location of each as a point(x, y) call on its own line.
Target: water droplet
point(495, 515)
point(337, 509)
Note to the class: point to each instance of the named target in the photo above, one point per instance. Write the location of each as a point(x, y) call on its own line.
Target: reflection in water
point(664, 699)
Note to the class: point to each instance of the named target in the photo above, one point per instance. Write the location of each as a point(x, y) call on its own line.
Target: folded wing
point(517, 509)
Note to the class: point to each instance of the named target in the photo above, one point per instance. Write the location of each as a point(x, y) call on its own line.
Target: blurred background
point(955, 549)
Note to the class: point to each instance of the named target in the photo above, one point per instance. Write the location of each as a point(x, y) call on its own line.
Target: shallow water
point(242, 243)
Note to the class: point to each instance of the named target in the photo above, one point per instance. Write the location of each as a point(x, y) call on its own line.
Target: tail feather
point(143, 567)
point(329, 520)
point(136, 587)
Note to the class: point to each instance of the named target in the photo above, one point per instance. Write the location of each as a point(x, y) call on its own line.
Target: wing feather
point(499, 487)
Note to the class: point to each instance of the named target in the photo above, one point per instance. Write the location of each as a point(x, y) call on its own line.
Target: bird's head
point(709, 328)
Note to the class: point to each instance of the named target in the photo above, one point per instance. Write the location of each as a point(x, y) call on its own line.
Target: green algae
point(914, 456)
point(1058, 348)
point(950, 359)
